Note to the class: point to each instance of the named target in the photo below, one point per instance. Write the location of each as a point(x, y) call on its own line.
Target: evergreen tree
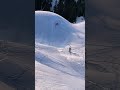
point(60, 8)
point(81, 8)
point(43, 5)
point(38, 4)
point(69, 9)
point(47, 5)
point(56, 7)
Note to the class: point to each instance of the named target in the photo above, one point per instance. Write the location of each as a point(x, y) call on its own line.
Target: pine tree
point(55, 7)
point(47, 5)
point(69, 9)
point(43, 5)
point(81, 8)
point(60, 8)
point(38, 4)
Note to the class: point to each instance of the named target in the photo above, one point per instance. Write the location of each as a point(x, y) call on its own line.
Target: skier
point(70, 50)
point(56, 24)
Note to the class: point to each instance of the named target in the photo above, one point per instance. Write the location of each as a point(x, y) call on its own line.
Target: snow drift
point(53, 29)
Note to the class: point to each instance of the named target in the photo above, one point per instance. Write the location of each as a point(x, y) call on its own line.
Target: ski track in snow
point(55, 67)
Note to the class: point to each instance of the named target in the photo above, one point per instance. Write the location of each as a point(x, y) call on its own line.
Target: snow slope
point(55, 67)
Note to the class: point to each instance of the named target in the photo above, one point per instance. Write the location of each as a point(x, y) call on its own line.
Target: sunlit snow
point(55, 67)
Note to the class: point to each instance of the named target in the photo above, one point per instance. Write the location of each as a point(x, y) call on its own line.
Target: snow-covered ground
point(55, 67)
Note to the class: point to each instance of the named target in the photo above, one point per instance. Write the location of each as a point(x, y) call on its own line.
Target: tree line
point(69, 9)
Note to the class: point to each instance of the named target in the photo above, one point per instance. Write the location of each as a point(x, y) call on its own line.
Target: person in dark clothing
point(56, 24)
point(70, 50)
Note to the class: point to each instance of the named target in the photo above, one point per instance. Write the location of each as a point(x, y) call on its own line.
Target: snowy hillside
point(55, 67)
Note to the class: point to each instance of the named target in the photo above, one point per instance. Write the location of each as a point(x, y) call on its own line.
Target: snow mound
point(55, 67)
point(53, 29)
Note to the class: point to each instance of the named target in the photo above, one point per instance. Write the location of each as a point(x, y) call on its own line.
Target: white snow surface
point(80, 19)
point(55, 67)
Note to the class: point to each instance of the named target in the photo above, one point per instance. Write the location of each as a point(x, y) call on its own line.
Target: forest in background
point(69, 9)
